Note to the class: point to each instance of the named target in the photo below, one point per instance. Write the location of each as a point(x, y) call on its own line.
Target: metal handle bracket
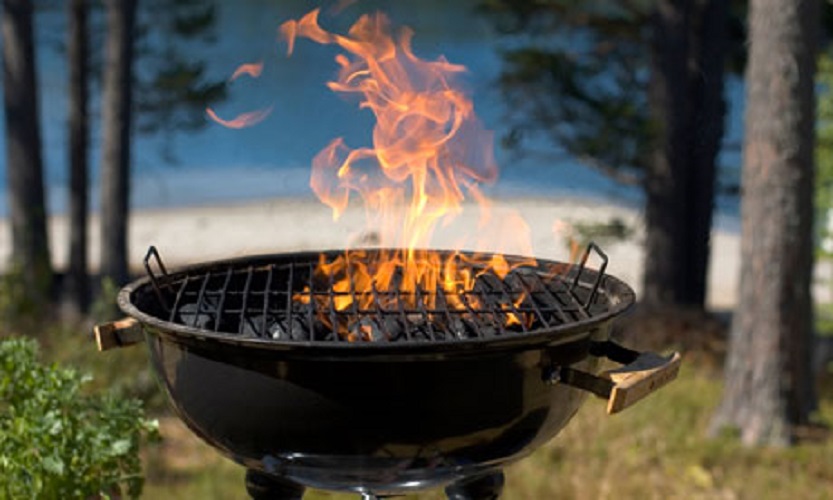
point(642, 374)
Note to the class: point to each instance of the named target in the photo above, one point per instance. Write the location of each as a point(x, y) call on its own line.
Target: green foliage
point(15, 303)
point(174, 95)
point(576, 73)
point(105, 308)
point(58, 442)
point(824, 153)
point(20, 300)
point(607, 233)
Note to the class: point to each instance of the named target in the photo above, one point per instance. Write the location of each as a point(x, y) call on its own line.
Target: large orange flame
point(429, 153)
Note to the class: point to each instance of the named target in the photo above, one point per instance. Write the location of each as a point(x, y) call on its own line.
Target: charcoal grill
point(399, 394)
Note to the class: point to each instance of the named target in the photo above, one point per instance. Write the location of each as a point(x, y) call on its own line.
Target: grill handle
point(642, 374)
point(121, 333)
point(153, 253)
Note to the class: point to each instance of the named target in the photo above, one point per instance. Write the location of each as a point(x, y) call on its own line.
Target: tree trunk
point(27, 206)
point(77, 287)
point(686, 99)
point(708, 109)
point(769, 388)
point(664, 178)
point(116, 127)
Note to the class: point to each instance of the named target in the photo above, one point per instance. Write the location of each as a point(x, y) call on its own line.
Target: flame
point(252, 69)
point(429, 153)
point(242, 120)
point(248, 118)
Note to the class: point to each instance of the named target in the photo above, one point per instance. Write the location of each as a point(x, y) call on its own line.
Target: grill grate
point(288, 301)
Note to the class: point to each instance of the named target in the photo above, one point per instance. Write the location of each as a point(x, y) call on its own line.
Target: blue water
point(272, 159)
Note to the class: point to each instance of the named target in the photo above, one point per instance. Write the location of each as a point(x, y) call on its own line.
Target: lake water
point(272, 159)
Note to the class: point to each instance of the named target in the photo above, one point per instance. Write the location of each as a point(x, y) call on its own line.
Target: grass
point(657, 449)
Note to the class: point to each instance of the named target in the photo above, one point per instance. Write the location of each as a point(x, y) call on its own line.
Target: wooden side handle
point(636, 380)
point(121, 333)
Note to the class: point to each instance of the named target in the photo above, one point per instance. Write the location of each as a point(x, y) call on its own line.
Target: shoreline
point(191, 234)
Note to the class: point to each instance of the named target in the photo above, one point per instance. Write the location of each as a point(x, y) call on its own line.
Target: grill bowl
point(386, 417)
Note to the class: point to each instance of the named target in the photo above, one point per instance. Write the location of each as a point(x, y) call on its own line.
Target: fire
point(429, 154)
point(249, 118)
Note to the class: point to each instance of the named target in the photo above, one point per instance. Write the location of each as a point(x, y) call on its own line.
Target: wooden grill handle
point(120, 333)
point(634, 381)
point(642, 374)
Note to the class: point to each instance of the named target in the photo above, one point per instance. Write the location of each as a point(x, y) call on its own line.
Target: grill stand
point(488, 487)
point(267, 487)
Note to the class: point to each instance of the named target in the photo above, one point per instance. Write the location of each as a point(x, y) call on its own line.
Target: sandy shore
point(192, 234)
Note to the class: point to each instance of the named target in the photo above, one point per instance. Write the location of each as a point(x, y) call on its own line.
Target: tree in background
point(27, 207)
point(117, 121)
point(633, 89)
point(769, 385)
point(77, 286)
point(173, 97)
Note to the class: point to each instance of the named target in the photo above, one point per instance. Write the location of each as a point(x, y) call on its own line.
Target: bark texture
point(77, 289)
point(769, 388)
point(116, 131)
point(27, 207)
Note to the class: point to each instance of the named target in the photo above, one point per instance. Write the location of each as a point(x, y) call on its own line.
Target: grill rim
point(565, 332)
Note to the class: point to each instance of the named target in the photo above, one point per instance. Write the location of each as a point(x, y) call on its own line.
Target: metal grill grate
point(286, 300)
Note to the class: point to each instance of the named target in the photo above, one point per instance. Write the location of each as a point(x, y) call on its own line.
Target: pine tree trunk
point(769, 387)
point(686, 98)
point(27, 206)
point(116, 128)
point(664, 178)
point(708, 109)
point(77, 289)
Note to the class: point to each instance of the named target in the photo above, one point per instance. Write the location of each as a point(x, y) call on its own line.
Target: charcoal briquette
point(253, 326)
point(369, 329)
point(202, 318)
point(289, 329)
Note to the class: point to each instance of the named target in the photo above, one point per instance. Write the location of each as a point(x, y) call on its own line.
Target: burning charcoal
point(320, 331)
point(420, 332)
point(488, 330)
point(462, 328)
point(521, 281)
point(453, 327)
point(489, 287)
point(481, 326)
point(289, 329)
point(368, 328)
point(417, 327)
point(253, 326)
point(537, 295)
point(393, 327)
point(202, 318)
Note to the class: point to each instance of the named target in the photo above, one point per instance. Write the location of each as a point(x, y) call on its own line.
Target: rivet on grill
point(552, 375)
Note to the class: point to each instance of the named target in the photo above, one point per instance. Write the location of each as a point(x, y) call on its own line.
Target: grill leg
point(487, 487)
point(261, 486)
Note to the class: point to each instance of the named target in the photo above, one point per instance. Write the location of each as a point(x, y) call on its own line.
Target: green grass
point(657, 449)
